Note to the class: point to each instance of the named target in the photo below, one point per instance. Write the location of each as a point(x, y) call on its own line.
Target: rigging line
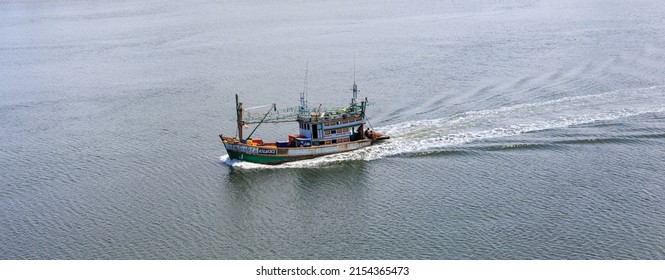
point(274, 107)
point(258, 107)
point(368, 123)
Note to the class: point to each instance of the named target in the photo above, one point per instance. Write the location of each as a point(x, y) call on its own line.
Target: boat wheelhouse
point(321, 132)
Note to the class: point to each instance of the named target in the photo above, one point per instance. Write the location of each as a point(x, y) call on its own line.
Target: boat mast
point(303, 95)
point(354, 106)
point(239, 117)
point(355, 87)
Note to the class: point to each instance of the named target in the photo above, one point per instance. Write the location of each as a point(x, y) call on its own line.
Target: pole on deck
point(239, 117)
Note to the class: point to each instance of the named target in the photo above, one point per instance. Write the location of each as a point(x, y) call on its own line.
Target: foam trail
point(428, 135)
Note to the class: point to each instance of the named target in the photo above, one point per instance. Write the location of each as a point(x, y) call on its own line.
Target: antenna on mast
point(355, 87)
point(354, 68)
point(306, 68)
point(303, 95)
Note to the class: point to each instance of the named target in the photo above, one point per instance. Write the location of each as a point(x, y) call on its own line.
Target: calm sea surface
point(520, 129)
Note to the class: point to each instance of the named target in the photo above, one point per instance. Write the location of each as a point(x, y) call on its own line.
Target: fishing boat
point(321, 132)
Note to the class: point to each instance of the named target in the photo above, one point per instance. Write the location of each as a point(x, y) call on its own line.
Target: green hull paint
point(250, 154)
point(262, 159)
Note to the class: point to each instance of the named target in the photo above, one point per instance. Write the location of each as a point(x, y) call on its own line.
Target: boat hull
point(277, 155)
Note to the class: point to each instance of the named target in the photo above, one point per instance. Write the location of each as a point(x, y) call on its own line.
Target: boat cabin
point(331, 129)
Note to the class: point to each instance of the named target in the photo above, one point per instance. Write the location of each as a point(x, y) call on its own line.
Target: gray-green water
point(520, 130)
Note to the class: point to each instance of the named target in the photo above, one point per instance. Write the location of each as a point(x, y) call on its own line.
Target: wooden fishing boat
point(321, 132)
